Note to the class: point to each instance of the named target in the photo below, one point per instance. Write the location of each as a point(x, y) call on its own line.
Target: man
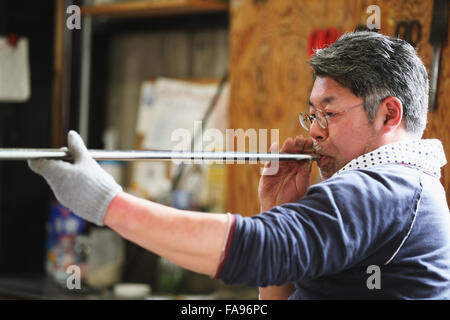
point(381, 204)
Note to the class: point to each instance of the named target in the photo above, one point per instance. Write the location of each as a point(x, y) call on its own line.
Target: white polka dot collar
point(426, 154)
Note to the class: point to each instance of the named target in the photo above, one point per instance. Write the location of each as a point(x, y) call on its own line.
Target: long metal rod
point(155, 155)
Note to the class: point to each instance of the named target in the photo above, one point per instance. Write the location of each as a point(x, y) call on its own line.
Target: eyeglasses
point(307, 119)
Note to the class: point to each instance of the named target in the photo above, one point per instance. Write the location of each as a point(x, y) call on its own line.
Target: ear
point(389, 114)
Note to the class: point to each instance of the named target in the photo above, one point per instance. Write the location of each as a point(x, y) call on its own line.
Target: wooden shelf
point(155, 8)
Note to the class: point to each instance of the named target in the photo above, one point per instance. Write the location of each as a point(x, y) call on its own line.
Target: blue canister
point(64, 227)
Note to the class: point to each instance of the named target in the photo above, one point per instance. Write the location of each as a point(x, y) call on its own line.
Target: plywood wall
point(270, 80)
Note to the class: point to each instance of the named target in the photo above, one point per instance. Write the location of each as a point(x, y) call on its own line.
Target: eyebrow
point(324, 100)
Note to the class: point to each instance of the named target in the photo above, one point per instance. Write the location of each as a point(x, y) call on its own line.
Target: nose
point(317, 132)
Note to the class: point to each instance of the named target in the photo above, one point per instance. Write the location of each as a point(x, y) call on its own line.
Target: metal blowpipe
point(153, 155)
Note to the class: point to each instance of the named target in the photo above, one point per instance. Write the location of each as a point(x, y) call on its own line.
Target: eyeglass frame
point(326, 116)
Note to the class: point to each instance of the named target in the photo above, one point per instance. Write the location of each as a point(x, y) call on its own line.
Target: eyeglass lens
point(307, 119)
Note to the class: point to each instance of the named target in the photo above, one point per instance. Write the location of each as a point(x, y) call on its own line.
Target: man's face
point(348, 135)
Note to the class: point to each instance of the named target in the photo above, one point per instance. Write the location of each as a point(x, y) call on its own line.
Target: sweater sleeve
point(339, 223)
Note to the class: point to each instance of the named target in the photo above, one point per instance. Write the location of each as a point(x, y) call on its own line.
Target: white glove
point(82, 186)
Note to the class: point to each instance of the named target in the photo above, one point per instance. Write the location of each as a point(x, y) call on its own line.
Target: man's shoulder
point(397, 172)
point(378, 182)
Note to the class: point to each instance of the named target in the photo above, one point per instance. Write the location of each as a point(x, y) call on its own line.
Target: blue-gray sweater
point(392, 216)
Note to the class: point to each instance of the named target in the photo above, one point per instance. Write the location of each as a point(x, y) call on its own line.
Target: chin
point(329, 167)
point(326, 171)
point(324, 175)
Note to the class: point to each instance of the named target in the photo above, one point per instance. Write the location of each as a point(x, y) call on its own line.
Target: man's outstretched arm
point(276, 292)
point(193, 240)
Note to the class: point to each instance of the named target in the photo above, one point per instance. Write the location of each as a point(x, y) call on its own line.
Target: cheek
point(344, 150)
point(350, 142)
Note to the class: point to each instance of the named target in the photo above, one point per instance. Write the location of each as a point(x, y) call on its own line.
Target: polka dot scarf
point(426, 154)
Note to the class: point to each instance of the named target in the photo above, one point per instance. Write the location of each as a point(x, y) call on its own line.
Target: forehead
point(327, 90)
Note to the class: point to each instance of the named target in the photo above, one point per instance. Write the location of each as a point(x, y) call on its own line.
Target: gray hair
point(374, 66)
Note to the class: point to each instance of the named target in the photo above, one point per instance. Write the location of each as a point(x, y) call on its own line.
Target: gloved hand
point(82, 186)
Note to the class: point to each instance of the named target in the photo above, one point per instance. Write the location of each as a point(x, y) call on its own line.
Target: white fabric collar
point(426, 154)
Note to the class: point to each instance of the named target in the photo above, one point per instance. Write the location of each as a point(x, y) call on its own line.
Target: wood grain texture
point(271, 81)
point(154, 8)
point(58, 135)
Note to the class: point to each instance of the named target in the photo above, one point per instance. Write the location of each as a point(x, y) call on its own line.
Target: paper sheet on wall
point(177, 105)
point(14, 71)
point(149, 179)
point(187, 109)
point(147, 102)
point(167, 105)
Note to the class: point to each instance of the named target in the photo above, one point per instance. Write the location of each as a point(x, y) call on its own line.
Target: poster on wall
point(172, 110)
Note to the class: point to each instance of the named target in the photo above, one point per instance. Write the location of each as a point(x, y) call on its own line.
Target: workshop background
point(128, 75)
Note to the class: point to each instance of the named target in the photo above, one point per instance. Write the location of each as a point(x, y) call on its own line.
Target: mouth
point(322, 159)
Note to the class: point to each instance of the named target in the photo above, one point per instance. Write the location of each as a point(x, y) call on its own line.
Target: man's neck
point(400, 135)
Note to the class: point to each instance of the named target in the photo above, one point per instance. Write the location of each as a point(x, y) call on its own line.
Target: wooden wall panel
point(270, 79)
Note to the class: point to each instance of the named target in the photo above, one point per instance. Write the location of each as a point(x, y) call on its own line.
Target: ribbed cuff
point(100, 194)
point(107, 195)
